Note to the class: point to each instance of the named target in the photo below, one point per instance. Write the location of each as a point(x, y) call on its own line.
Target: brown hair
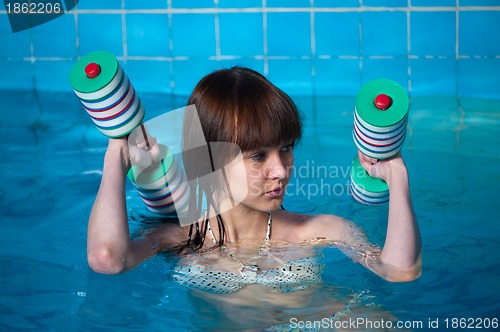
point(240, 106)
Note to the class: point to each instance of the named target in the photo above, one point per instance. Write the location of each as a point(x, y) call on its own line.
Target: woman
point(241, 107)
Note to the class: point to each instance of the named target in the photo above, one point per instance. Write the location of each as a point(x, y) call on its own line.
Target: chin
point(274, 204)
point(265, 205)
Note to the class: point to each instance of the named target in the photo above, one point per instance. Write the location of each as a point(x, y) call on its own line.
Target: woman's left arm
point(401, 256)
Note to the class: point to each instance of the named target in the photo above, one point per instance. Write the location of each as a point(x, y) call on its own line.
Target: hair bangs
point(265, 118)
point(239, 105)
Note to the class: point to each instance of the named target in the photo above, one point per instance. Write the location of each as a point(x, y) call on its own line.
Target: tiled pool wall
point(307, 47)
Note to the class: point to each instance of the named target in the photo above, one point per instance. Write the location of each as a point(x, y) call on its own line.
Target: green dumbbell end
point(93, 72)
point(153, 177)
point(366, 189)
point(374, 108)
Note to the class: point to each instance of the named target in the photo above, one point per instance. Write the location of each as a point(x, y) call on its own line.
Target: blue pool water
point(51, 157)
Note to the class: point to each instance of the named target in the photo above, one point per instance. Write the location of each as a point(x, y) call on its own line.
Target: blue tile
point(393, 69)
point(337, 77)
point(384, 33)
point(49, 41)
point(433, 77)
point(52, 75)
point(148, 76)
point(385, 3)
point(478, 2)
point(16, 75)
point(150, 4)
point(193, 34)
point(147, 35)
point(336, 3)
point(337, 33)
point(442, 39)
point(99, 4)
point(100, 32)
point(240, 4)
point(14, 45)
point(187, 73)
point(434, 3)
point(479, 78)
point(241, 34)
point(193, 3)
point(478, 33)
point(292, 75)
point(288, 3)
point(289, 34)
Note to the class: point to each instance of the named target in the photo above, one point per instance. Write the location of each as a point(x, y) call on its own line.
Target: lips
point(274, 192)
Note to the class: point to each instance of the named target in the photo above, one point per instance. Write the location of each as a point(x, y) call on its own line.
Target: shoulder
point(297, 228)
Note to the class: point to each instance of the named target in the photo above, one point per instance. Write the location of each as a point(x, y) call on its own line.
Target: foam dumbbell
point(112, 103)
point(379, 131)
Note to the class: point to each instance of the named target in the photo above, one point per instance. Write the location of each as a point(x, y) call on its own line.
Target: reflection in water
point(261, 307)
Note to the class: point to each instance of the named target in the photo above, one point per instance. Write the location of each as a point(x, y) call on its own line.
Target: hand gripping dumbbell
point(379, 131)
point(117, 111)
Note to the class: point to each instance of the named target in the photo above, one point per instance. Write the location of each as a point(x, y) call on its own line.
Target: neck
point(243, 223)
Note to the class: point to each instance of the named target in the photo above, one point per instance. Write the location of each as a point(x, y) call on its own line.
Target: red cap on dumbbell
point(383, 102)
point(92, 70)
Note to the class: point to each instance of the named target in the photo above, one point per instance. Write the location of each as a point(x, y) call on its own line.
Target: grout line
point(171, 47)
point(124, 33)
point(314, 88)
point(408, 67)
point(264, 31)
point(32, 48)
point(77, 35)
point(261, 57)
point(313, 51)
point(457, 73)
point(457, 48)
point(360, 26)
point(265, 9)
point(457, 39)
point(217, 31)
point(408, 46)
point(32, 61)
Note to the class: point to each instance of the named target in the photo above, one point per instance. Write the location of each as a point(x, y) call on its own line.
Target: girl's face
point(259, 181)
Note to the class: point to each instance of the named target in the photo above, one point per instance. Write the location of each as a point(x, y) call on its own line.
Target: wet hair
point(236, 105)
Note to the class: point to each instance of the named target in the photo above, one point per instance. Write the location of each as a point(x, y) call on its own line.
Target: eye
point(258, 156)
point(287, 148)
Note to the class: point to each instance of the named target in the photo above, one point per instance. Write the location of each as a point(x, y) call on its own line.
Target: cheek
point(255, 180)
point(237, 180)
point(288, 163)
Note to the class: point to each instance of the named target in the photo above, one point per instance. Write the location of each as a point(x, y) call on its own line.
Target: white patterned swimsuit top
point(294, 275)
point(291, 276)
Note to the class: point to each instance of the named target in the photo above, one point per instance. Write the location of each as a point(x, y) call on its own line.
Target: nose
point(277, 167)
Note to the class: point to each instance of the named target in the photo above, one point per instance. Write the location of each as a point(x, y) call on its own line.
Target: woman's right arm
point(109, 247)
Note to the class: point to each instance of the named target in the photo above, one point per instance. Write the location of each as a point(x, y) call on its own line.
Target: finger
point(364, 163)
point(135, 155)
point(155, 152)
point(139, 157)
